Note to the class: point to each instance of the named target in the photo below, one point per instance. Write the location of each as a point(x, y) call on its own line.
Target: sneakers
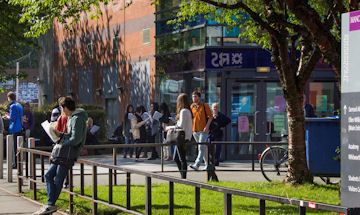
point(194, 167)
point(204, 168)
point(47, 209)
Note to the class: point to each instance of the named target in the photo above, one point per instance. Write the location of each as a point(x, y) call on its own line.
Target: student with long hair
point(127, 132)
point(184, 121)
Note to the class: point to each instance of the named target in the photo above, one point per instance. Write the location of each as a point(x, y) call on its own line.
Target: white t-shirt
point(184, 122)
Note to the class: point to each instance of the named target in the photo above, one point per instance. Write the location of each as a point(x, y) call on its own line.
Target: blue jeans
point(129, 140)
point(201, 137)
point(54, 179)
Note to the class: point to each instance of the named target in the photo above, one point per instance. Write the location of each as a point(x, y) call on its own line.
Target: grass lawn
point(211, 202)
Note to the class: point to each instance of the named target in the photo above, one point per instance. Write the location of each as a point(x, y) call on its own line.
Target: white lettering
point(353, 147)
point(224, 59)
point(354, 178)
point(214, 58)
point(354, 189)
point(346, 54)
point(355, 19)
point(353, 157)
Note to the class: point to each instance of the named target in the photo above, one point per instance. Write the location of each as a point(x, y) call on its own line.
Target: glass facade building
point(211, 58)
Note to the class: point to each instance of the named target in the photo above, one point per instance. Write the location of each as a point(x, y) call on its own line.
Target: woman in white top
point(184, 121)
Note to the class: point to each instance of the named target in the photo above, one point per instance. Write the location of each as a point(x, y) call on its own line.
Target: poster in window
point(321, 103)
point(243, 124)
point(245, 104)
point(279, 104)
point(279, 122)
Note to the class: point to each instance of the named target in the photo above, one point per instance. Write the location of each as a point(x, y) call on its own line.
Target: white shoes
point(47, 209)
point(194, 167)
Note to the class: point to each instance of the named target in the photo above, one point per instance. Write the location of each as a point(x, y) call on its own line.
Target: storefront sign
point(238, 58)
point(350, 109)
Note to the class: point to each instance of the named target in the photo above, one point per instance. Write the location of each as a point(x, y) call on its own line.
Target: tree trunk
point(298, 171)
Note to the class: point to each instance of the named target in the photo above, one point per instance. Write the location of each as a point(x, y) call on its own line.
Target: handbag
point(175, 135)
point(64, 155)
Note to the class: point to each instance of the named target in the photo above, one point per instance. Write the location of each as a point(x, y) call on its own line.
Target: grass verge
point(211, 202)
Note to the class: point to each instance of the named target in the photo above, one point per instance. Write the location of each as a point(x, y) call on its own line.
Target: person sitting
point(91, 139)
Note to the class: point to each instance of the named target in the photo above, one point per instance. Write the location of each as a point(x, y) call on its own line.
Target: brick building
point(108, 61)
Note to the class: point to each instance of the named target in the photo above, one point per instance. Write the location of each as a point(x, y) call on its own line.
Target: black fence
point(112, 173)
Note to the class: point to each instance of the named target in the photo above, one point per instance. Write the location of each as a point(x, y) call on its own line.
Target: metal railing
point(227, 192)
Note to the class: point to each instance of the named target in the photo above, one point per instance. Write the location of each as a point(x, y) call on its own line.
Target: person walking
point(76, 136)
point(184, 121)
point(202, 118)
point(138, 130)
point(127, 132)
point(217, 126)
point(15, 121)
point(165, 121)
point(154, 124)
point(28, 121)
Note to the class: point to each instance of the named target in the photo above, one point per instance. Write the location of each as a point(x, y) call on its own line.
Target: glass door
point(243, 109)
point(276, 118)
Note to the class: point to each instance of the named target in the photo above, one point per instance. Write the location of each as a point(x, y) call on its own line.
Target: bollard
point(31, 144)
point(2, 156)
point(20, 144)
point(9, 156)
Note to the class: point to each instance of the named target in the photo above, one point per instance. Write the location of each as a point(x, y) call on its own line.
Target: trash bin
point(322, 136)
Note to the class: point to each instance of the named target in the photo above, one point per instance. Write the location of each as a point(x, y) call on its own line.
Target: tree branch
point(239, 5)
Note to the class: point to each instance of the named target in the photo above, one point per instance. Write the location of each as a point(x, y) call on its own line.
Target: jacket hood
point(79, 112)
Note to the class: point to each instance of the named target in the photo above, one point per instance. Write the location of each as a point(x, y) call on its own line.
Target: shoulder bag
point(64, 155)
point(175, 135)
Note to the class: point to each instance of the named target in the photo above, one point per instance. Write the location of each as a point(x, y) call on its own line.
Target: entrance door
point(244, 109)
point(258, 113)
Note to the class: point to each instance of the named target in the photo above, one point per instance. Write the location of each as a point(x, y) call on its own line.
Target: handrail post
point(302, 210)
point(197, 201)
point(171, 198)
point(20, 144)
point(33, 162)
point(114, 162)
point(94, 189)
point(262, 207)
point(31, 144)
point(208, 163)
point(128, 189)
point(162, 158)
point(19, 179)
point(110, 187)
point(252, 157)
point(227, 204)
point(42, 161)
point(82, 179)
point(9, 149)
point(71, 196)
point(2, 156)
point(148, 196)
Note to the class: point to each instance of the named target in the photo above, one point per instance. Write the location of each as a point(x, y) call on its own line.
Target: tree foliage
point(13, 44)
point(294, 54)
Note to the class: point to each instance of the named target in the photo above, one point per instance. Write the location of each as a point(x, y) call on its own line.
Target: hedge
point(44, 113)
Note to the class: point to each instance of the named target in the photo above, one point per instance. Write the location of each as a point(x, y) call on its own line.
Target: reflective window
point(231, 36)
point(166, 4)
point(321, 97)
point(213, 35)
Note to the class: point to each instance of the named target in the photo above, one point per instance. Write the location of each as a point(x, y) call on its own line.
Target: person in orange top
point(202, 118)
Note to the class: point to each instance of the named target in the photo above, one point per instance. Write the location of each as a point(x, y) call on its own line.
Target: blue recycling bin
point(322, 136)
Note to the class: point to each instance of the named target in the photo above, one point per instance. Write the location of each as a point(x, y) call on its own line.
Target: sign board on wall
point(350, 109)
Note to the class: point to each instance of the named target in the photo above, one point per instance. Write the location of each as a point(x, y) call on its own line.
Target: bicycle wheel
point(329, 180)
point(273, 163)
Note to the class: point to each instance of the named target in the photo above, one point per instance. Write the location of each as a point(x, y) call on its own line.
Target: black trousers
point(138, 150)
point(180, 159)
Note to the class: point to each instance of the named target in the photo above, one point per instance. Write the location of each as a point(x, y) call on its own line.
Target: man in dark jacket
point(217, 126)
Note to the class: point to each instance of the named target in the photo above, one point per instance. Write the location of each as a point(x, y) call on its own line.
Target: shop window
point(67, 54)
point(146, 36)
point(213, 88)
point(321, 97)
point(116, 45)
point(213, 35)
point(194, 38)
point(90, 49)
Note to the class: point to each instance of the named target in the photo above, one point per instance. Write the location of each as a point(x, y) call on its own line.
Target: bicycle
point(274, 165)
